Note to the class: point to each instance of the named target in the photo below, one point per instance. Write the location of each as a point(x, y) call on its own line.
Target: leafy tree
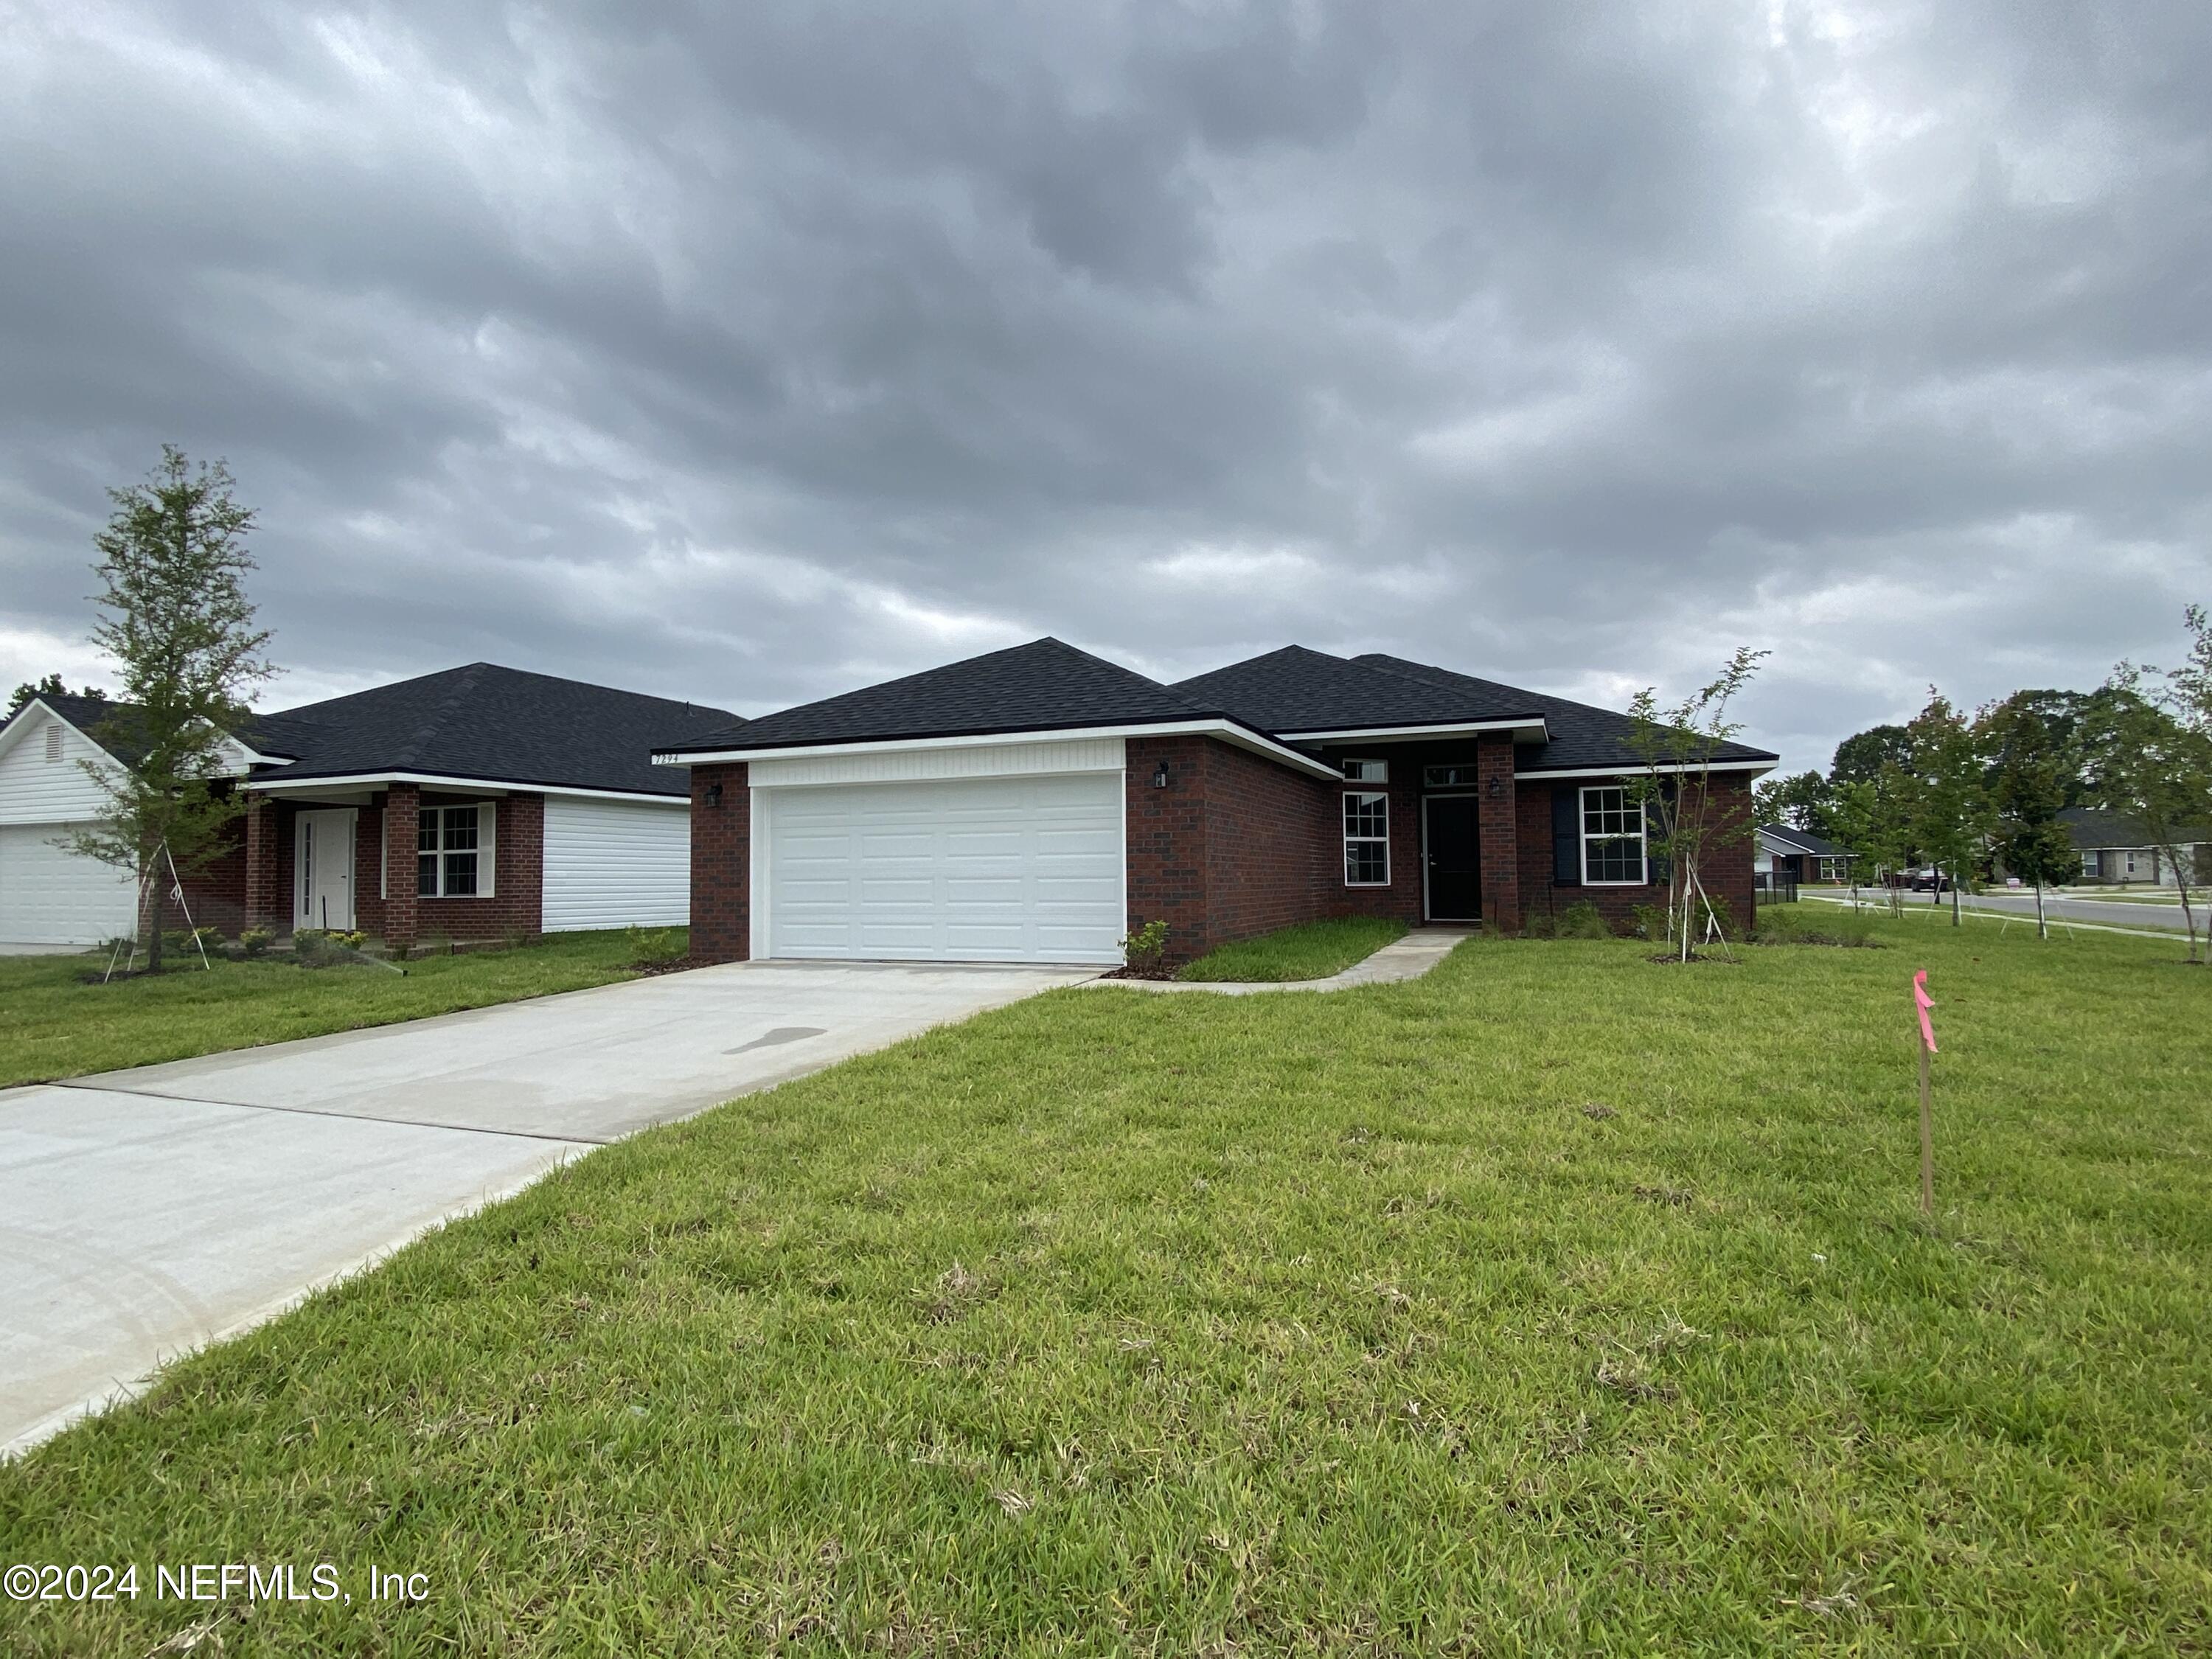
point(2026, 777)
point(2157, 769)
point(1674, 748)
point(1860, 757)
point(1949, 813)
point(1867, 820)
point(177, 623)
point(1803, 800)
point(52, 686)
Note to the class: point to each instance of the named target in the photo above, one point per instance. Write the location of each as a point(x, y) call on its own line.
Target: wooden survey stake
point(1921, 1005)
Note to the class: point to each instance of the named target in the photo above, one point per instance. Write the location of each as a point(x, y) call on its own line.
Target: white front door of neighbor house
point(322, 868)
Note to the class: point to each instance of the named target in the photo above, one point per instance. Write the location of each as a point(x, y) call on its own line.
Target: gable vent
point(53, 741)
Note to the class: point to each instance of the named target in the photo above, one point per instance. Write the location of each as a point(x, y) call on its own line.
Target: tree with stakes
point(1867, 819)
point(1674, 782)
point(2026, 777)
point(176, 622)
point(2157, 768)
point(1950, 813)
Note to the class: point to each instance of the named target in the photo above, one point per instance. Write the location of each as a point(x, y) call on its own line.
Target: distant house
point(473, 804)
point(2115, 847)
point(1800, 854)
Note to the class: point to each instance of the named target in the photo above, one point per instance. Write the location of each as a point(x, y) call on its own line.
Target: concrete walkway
point(143, 1213)
point(1406, 958)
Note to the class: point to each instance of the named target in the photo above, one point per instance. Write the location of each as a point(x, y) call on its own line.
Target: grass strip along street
point(56, 1021)
point(1558, 1299)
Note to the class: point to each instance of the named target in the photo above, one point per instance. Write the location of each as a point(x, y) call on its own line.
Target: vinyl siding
point(615, 864)
point(36, 790)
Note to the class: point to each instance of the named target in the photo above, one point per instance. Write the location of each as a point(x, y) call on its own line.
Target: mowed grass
point(1558, 1300)
point(53, 1024)
point(1312, 950)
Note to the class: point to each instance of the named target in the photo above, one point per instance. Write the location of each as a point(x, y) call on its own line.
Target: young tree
point(2158, 769)
point(1868, 820)
point(1675, 748)
point(177, 622)
point(52, 686)
point(1950, 813)
point(2026, 776)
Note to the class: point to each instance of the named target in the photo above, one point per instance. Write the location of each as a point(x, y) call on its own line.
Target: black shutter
point(1566, 835)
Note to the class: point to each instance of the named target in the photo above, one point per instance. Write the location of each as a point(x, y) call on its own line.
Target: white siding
point(36, 790)
point(617, 863)
point(997, 760)
point(50, 897)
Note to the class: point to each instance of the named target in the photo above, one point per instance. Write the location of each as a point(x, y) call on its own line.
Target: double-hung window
point(1612, 838)
point(1366, 839)
point(452, 851)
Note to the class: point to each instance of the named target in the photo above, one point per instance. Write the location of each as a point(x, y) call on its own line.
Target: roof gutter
point(1637, 769)
point(1533, 724)
point(1224, 731)
point(309, 786)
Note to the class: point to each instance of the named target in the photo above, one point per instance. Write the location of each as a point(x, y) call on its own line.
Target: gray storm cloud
point(749, 353)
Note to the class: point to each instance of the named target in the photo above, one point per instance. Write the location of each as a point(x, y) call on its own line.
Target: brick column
point(403, 807)
point(1498, 827)
point(721, 864)
point(268, 885)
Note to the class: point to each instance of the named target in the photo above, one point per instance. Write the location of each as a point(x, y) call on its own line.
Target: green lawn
point(53, 1024)
point(1557, 1301)
point(1312, 950)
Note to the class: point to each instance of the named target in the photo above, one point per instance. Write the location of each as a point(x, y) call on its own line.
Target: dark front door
point(1454, 851)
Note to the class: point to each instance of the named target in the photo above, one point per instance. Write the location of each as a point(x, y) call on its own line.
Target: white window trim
point(1643, 836)
point(486, 849)
point(1350, 795)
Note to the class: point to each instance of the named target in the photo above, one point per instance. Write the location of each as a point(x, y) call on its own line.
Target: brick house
point(475, 804)
point(1036, 803)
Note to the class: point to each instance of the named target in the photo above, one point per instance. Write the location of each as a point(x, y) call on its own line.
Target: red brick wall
point(215, 894)
point(269, 865)
point(1165, 832)
point(721, 864)
point(1726, 873)
point(1499, 831)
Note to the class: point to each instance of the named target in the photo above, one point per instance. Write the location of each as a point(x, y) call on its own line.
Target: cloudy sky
point(750, 353)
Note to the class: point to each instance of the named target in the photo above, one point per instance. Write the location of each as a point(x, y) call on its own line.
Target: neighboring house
point(1800, 855)
point(474, 804)
point(2115, 847)
point(1038, 803)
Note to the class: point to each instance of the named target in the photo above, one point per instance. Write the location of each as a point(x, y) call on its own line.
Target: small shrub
point(1581, 919)
point(256, 941)
point(1648, 921)
point(654, 947)
point(1146, 947)
point(317, 947)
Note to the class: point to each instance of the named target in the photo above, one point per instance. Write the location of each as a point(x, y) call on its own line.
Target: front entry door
point(322, 869)
point(1454, 845)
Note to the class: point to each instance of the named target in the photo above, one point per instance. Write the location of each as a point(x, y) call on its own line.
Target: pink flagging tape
point(1922, 1002)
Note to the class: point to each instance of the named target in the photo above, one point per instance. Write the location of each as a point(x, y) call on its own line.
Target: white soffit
point(1004, 760)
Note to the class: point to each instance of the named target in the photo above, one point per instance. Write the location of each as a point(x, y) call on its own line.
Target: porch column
point(403, 811)
point(267, 885)
point(1498, 826)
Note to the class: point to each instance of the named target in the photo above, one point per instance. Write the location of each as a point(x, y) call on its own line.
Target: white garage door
point(1025, 869)
point(48, 896)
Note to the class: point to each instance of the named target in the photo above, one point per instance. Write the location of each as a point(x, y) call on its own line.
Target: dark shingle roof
point(1804, 840)
point(1582, 736)
point(1295, 690)
point(485, 722)
point(2092, 827)
point(1043, 686)
point(87, 714)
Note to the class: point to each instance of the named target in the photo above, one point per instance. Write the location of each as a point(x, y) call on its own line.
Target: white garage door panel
point(1006, 869)
point(48, 896)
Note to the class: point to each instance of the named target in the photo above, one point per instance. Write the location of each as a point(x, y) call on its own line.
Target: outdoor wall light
point(713, 794)
point(1498, 789)
point(1160, 775)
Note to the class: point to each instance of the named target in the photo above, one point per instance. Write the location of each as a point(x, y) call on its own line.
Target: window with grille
point(1367, 840)
point(447, 859)
point(1612, 838)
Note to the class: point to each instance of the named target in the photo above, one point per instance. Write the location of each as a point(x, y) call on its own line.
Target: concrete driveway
point(145, 1213)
